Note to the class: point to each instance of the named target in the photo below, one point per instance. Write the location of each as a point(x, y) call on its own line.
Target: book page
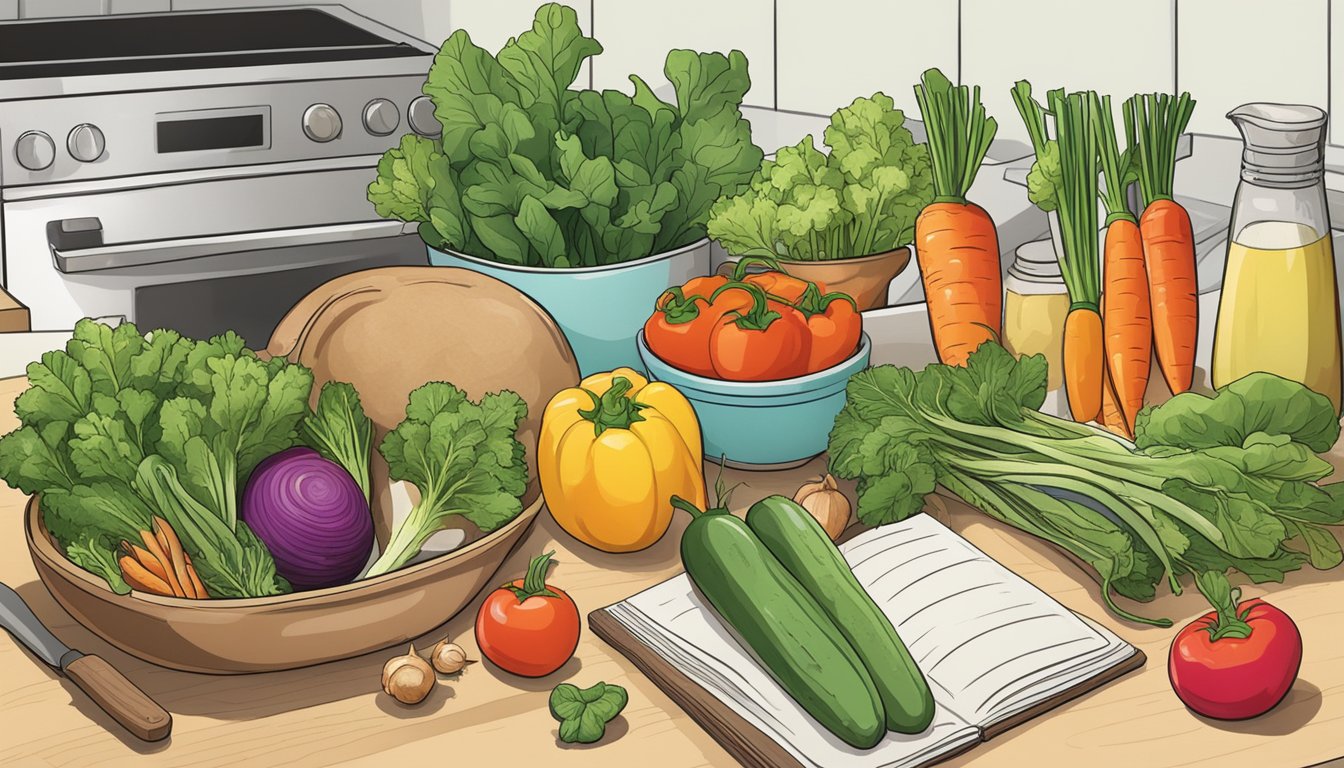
point(673, 619)
point(989, 643)
point(987, 640)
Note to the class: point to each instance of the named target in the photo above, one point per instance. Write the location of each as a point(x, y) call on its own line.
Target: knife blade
point(111, 691)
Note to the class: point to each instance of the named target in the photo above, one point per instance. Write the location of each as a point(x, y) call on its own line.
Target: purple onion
point(311, 515)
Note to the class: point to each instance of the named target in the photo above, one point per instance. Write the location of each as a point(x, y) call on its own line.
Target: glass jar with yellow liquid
point(1035, 304)
point(1279, 310)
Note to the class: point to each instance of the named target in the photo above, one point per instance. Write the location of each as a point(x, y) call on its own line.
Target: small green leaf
point(584, 712)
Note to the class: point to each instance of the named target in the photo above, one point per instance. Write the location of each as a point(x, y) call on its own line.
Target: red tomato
point(679, 330)
point(528, 627)
point(835, 325)
point(1235, 664)
point(767, 343)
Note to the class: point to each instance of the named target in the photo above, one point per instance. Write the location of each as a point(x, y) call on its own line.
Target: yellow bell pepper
point(612, 453)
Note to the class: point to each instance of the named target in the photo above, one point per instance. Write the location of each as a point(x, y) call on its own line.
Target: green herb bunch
point(531, 171)
point(859, 199)
point(1213, 484)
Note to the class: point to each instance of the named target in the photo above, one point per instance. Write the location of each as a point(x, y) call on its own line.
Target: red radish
point(1237, 661)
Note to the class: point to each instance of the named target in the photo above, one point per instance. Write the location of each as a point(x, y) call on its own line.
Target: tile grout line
point(960, 43)
point(592, 32)
point(774, 31)
point(1329, 74)
point(1176, 47)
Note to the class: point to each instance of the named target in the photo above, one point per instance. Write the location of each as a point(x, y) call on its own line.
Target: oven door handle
point(77, 244)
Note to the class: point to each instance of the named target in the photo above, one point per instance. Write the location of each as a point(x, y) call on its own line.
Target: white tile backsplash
point(637, 34)
point(835, 51)
point(1336, 75)
point(492, 22)
point(1116, 47)
point(1230, 52)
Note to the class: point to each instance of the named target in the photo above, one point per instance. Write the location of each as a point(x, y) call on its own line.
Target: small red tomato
point(528, 627)
point(1234, 663)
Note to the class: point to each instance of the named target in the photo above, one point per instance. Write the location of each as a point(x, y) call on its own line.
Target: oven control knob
point(421, 117)
point(35, 150)
point(321, 122)
point(381, 117)
point(85, 143)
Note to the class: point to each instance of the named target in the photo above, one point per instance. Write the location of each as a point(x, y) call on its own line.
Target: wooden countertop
point(335, 714)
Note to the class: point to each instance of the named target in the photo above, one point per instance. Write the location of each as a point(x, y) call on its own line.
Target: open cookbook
point(995, 649)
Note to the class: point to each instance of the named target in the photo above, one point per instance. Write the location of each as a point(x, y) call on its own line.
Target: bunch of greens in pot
point(1228, 482)
point(860, 199)
point(118, 428)
point(529, 171)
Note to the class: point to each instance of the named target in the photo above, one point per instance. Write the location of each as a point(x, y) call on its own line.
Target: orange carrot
point(138, 577)
point(958, 250)
point(1168, 240)
point(955, 239)
point(1080, 264)
point(1083, 369)
point(1112, 417)
point(1168, 245)
point(1126, 315)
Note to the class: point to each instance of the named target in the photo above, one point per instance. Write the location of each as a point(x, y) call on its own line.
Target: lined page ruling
point(992, 642)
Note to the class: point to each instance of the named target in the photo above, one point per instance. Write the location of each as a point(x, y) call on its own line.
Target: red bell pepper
point(835, 324)
point(1238, 661)
point(767, 342)
point(679, 329)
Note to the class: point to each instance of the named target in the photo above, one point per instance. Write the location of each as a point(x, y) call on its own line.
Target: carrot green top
point(1117, 168)
point(1159, 120)
point(1080, 261)
point(959, 134)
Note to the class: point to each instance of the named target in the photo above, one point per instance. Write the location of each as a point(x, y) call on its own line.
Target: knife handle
point(119, 698)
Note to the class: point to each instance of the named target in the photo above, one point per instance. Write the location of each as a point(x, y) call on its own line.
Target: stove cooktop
point(173, 42)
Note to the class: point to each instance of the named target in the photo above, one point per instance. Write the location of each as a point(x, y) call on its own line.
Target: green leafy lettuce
point(464, 459)
point(531, 171)
point(120, 427)
point(859, 199)
point(1215, 483)
point(340, 430)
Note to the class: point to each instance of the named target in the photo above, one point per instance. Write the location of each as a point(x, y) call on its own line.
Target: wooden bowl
point(261, 634)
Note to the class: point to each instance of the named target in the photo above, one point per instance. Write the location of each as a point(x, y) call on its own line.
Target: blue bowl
point(765, 424)
point(599, 309)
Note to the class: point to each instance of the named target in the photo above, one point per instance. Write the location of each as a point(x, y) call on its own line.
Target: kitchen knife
point(117, 696)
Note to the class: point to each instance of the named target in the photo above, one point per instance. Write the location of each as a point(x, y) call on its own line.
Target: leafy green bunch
point(1214, 483)
point(464, 459)
point(530, 171)
point(860, 199)
point(118, 428)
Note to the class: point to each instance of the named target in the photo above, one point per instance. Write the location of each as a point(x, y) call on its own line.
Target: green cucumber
point(783, 626)
point(798, 541)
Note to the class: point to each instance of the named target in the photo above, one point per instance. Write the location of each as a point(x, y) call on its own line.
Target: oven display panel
point(213, 129)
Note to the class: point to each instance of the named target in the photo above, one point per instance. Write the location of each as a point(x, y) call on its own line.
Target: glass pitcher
point(1279, 310)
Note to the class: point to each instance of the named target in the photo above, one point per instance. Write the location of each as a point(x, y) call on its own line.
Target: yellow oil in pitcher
point(1279, 311)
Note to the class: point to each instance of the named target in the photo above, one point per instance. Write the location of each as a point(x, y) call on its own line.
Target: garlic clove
point(449, 658)
point(408, 678)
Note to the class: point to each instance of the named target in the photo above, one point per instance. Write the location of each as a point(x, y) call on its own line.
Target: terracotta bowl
point(283, 632)
point(866, 278)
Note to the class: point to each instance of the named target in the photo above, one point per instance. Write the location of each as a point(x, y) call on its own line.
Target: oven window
point(232, 132)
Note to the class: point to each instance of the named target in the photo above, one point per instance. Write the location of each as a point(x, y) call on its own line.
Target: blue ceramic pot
point(599, 309)
point(766, 424)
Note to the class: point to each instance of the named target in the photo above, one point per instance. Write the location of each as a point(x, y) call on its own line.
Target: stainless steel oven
point(199, 171)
